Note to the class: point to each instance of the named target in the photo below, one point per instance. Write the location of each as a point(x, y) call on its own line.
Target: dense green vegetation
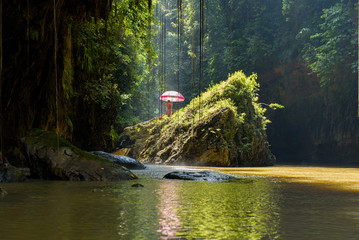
point(293, 47)
point(111, 67)
point(162, 49)
point(257, 36)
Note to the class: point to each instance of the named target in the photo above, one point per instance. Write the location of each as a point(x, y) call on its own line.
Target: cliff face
point(318, 124)
point(37, 66)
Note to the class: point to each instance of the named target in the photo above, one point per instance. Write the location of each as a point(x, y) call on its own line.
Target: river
point(256, 208)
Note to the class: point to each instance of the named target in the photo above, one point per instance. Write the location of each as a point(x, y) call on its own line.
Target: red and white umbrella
point(173, 96)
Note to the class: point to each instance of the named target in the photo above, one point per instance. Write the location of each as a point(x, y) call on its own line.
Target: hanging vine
point(55, 63)
point(193, 53)
point(163, 52)
point(179, 34)
point(149, 78)
point(201, 51)
point(1, 110)
point(231, 34)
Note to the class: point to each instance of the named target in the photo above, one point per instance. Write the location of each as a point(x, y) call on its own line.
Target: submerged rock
point(52, 157)
point(228, 128)
point(2, 192)
point(125, 161)
point(9, 174)
point(138, 185)
point(200, 176)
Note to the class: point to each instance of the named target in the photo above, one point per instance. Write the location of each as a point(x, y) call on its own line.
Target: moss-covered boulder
point(225, 126)
point(52, 157)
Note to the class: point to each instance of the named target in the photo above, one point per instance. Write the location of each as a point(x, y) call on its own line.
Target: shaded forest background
point(87, 69)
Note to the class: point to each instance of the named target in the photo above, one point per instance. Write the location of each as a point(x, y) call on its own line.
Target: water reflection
point(168, 209)
point(201, 210)
point(161, 210)
point(230, 210)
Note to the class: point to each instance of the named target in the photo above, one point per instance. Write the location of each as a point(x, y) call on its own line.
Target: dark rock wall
point(31, 93)
point(318, 124)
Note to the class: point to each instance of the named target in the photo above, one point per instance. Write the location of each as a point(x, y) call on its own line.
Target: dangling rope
point(164, 48)
point(159, 76)
point(28, 34)
point(179, 22)
point(231, 35)
point(56, 80)
point(201, 56)
point(161, 60)
point(162, 73)
point(149, 58)
point(193, 60)
point(358, 57)
point(1, 110)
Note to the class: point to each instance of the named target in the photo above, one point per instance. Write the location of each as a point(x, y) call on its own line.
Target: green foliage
point(275, 106)
point(118, 57)
point(111, 58)
point(334, 48)
point(114, 135)
point(238, 35)
point(286, 4)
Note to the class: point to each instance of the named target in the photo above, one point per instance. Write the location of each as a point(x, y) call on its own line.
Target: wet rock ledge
point(125, 161)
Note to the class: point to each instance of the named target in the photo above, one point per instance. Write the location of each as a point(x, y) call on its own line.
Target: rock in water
point(125, 161)
point(231, 130)
point(200, 176)
point(9, 173)
point(52, 157)
point(2, 192)
point(138, 185)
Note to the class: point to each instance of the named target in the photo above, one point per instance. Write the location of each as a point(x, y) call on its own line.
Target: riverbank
point(339, 178)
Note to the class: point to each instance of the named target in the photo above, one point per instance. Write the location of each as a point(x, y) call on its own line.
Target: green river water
point(172, 209)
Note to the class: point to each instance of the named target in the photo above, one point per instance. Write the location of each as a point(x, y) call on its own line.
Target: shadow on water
point(172, 209)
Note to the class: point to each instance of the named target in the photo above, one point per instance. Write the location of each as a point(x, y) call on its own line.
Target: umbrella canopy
point(173, 96)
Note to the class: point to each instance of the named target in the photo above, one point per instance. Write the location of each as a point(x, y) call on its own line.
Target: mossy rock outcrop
point(52, 157)
point(225, 126)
